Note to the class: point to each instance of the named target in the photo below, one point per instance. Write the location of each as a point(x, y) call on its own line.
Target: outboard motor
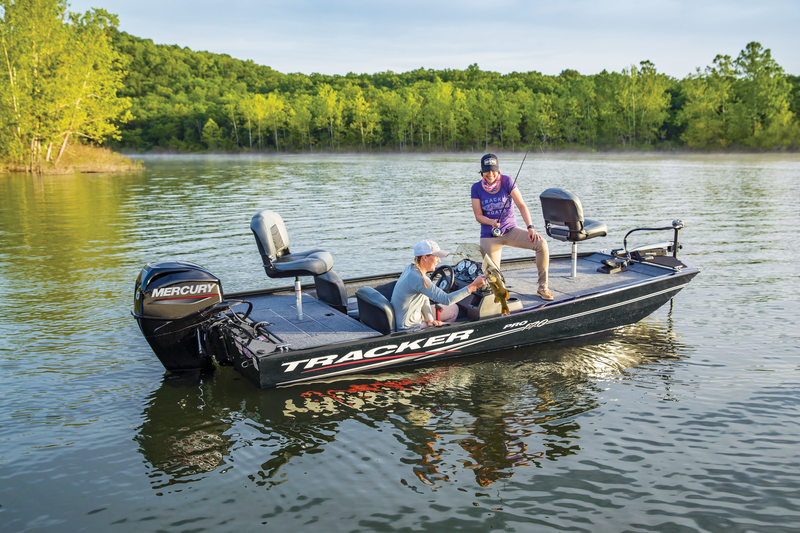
point(172, 302)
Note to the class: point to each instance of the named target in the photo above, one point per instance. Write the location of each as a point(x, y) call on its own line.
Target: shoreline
point(104, 161)
point(177, 156)
point(76, 169)
point(81, 159)
point(653, 151)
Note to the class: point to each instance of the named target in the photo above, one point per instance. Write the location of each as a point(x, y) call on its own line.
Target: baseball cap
point(427, 247)
point(489, 162)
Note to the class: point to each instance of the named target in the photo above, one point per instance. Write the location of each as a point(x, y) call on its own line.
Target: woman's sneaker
point(544, 293)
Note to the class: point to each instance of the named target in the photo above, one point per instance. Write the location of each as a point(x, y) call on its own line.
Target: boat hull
point(575, 317)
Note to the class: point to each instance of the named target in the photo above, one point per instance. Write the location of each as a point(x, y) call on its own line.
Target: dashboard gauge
point(443, 284)
point(461, 265)
point(472, 269)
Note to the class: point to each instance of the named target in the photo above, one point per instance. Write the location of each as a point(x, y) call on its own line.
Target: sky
point(370, 36)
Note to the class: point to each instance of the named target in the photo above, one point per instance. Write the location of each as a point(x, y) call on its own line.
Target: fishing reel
point(497, 232)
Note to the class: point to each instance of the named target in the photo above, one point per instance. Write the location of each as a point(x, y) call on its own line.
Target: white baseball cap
point(427, 247)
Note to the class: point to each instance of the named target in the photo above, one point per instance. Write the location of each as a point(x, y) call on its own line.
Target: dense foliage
point(58, 80)
point(195, 101)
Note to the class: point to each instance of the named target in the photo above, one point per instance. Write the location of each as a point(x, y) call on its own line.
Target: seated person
point(414, 289)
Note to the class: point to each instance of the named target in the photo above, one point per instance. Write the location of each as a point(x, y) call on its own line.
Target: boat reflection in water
point(491, 415)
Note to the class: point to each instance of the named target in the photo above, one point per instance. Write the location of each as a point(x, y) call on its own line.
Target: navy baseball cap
point(489, 162)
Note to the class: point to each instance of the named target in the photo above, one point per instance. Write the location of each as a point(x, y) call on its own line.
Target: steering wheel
point(444, 277)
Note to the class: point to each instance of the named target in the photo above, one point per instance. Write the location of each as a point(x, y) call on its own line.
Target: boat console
point(481, 303)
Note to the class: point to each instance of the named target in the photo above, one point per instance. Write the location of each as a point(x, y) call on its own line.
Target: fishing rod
point(496, 231)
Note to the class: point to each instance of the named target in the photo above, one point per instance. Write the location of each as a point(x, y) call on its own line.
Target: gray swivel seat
point(279, 262)
point(563, 220)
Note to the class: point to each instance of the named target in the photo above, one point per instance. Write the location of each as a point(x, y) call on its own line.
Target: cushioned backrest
point(559, 206)
point(386, 289)
point(375, 310)
point(330, 289)
point(271, 235)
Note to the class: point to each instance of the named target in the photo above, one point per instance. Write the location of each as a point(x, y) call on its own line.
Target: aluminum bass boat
point(333, 327)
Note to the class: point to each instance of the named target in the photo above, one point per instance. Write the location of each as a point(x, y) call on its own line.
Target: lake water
point(688, 421)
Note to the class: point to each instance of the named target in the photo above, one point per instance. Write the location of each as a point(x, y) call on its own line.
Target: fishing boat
point(329, 327)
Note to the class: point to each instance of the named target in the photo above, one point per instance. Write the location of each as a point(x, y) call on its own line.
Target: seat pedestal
point(299, 297)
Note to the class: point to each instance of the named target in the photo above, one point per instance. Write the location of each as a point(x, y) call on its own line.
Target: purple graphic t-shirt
point(492, 204)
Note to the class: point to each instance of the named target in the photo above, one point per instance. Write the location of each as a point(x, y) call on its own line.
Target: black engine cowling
point(172, 302)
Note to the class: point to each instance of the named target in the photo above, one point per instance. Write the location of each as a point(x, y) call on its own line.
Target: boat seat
point(272, 240)
point(564, 221)
point(387, 289)
point(330, 289)
point(273, 245)
point(375, 310)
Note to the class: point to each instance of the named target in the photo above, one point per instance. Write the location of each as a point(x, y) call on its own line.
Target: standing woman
point(489, 196)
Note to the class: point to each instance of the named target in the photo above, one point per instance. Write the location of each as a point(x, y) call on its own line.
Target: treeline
point(188, 101)
point(67, 78)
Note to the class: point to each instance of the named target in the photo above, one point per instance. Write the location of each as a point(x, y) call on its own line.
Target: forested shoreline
point(76, 79)
point(186, 101)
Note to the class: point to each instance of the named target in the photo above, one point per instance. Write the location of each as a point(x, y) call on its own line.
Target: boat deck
point(322, 325)
point(521, 279)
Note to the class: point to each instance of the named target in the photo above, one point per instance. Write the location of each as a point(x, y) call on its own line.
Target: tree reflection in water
point(491, 415)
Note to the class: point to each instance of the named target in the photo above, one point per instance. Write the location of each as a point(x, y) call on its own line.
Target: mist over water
point(686, 421)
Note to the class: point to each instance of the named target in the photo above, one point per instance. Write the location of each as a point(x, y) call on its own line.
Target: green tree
point(744, 102)
point(258, 105)
point(60, 79)
point(230, 105)
point(569, 100)
point(707, 110)
point(274, 114)
point(654, 101)
point(301, 118)
point(483, 115)
point(409, 113)
point(445, 110)
point(328, 112)
point(32, 35)
point(363, 118)
point(764, 98)
point(246, 106)
point(211, 135)
point(509, 117)
point(627, 93)
point(389, 104)
point(539, 116)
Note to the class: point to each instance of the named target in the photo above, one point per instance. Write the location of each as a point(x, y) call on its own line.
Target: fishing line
point(496, 231)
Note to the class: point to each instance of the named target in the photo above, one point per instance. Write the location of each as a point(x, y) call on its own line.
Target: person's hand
point(480, 281)
point(533, 236)
point(434, 322)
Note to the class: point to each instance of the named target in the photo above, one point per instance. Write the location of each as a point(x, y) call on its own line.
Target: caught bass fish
point(496, 283)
